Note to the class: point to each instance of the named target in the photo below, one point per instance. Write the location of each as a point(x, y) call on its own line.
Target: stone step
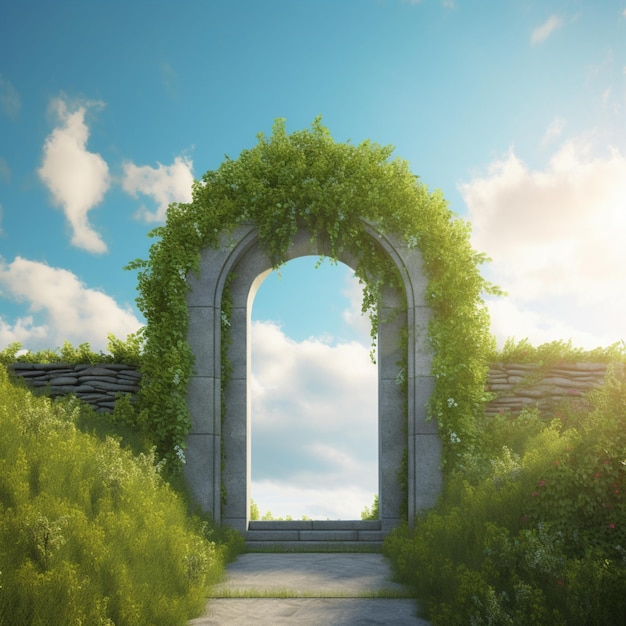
point(314, 534)
point(314, 546)
point(360, 525)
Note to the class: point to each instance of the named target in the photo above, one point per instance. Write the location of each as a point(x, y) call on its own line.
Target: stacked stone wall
point(522, 385)
point(515, 386)
point(98, 385)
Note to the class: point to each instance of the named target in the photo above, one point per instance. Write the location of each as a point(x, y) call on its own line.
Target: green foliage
point(306, 179)
point(532, 529)
point(120, 351)
point(255, 515)
point(555, 352)
point(89, 533)
point(371, 513)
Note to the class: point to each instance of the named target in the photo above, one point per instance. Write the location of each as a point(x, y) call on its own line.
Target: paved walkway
point(309, 589)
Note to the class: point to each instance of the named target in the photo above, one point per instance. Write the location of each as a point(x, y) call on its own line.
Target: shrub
point(90, 533)
point(532, 529)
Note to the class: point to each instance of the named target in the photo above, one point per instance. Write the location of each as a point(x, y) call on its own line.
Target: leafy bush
point(533, 529)
point(371, 513)
point(90, 533)
point(120, 351)
point(555, 352)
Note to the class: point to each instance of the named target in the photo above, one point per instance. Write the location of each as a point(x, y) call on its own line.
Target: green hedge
point(89, 532)
point(531, 530)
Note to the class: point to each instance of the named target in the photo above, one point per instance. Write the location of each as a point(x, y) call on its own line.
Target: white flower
point(225, 320)
point(454, 438)
point(180, 453)
point(451, 403)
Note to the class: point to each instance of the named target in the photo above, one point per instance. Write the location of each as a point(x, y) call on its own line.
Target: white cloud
point(541, 33)
point(76, 178)
point(554, 130)
point(352, 315)
point(314, 425)
point(10, 103)
point(164, 184)
point(67, 309)
point(557, 240)
point(338, 501)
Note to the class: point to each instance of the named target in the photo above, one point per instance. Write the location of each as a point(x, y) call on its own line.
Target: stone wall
point(524, 385)
point(516, 385)
point(97, 385)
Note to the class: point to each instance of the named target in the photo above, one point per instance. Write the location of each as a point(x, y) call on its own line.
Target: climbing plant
point(306, 179)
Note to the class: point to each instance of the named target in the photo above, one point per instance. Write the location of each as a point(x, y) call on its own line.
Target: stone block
point(203, 285)
point(419, 392)
point(238, 351)
point(201, 471)
point(328, 535)
point(204, 337)
point(425, 469)
point(204, 402)
point(420, 350)
point(64, 380)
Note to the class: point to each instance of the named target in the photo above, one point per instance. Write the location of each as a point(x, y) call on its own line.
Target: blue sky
point(516, 110)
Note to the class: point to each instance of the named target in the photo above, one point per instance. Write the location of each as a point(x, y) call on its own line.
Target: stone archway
point(218, 447)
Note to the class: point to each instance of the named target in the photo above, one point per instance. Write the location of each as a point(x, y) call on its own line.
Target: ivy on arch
point(306, 179)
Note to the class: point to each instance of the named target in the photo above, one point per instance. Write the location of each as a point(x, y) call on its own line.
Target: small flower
point(542, 483)
point(559, 583)
point(451, 403)
point(534, 494)
point(454, 438)
point(524, 519)
point(180, 453)
point(597, 475)
point(612, 526)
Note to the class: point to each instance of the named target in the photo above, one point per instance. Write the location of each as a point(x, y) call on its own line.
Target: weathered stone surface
point(98, 370)
point(130, 374)
point(30, 374)
point(104, 379)
point(519, 385)
point(99, 384)
point(94, 384)
point(64, 380)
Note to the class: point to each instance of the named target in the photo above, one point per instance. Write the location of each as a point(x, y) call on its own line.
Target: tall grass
point(90, 533)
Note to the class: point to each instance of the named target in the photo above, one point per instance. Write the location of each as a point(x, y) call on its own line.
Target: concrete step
point(314, 546)
point(314, 534)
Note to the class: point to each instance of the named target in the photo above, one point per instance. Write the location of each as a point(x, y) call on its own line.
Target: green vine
point(306, 179)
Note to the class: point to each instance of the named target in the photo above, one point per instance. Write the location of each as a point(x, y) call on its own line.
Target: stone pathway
point(309, 589)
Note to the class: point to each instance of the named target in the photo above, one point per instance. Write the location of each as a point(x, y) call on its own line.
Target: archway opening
point(314, 395)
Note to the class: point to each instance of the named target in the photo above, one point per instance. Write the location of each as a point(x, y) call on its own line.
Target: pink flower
point(597, 475)
point(612, 526)
point(534, 494)
point(542, 483)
